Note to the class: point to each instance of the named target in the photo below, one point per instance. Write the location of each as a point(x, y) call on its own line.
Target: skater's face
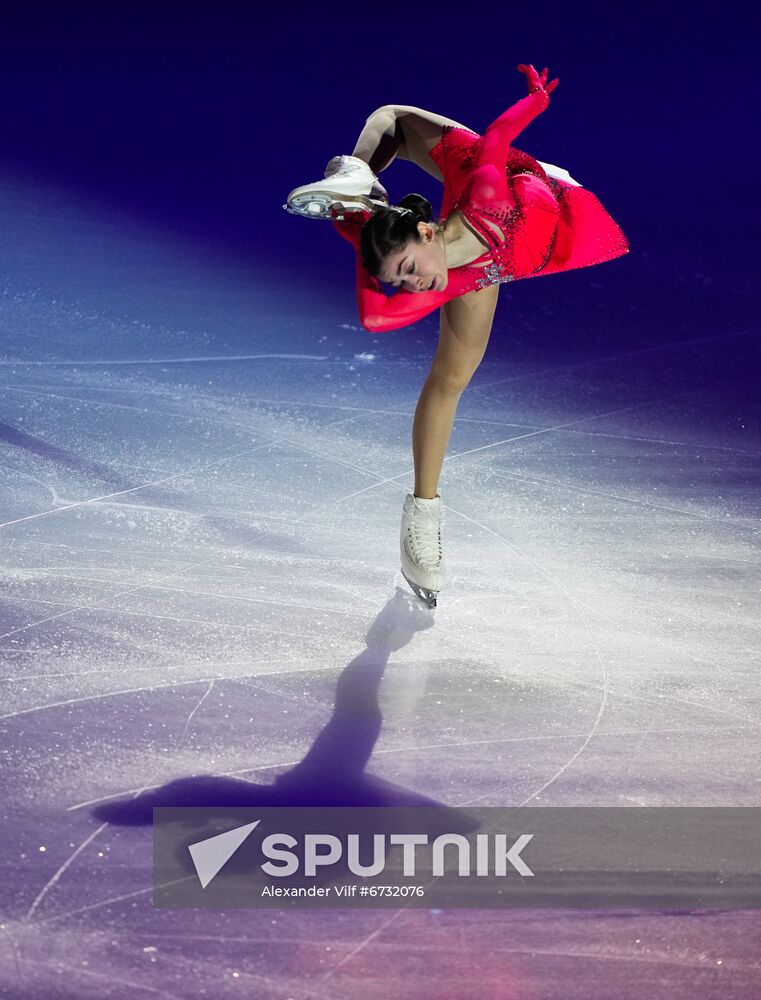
point(419, 266)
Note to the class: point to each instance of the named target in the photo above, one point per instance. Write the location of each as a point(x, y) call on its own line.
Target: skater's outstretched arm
point(488, 180)
point(379, 312)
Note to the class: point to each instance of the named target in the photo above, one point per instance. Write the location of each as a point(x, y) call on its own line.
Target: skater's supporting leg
point(464, 333)
point(404, 131)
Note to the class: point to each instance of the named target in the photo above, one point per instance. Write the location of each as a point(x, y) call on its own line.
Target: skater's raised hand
point(537, 81)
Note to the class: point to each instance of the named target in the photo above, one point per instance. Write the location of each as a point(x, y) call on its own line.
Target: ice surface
point(203, 472)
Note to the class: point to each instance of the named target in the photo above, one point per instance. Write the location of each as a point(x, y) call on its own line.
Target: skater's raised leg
point(351, 182)
point(404, 131)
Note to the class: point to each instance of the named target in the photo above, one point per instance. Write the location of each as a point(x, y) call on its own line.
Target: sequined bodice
point(496, 213)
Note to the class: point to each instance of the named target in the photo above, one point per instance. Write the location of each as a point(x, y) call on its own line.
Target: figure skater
point(504, 216)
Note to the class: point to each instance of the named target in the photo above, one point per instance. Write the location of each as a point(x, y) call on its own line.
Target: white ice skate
point(421, 548)
point(349, 185)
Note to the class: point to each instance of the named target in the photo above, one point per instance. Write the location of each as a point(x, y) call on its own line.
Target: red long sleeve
point(499, 136)
point(379, 313)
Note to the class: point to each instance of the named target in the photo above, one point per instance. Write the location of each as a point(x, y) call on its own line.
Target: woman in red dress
point(504, 216)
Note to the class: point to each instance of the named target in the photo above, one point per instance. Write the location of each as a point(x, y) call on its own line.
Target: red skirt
point(564, 225)
point(585, 234)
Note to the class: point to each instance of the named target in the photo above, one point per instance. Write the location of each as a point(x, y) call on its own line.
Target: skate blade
point(428, 597)
point(318, 204)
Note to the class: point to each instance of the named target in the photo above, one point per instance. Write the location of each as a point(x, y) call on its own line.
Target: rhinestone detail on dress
point(494, 274)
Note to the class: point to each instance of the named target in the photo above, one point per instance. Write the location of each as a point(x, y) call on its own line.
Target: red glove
point(350, 226)
point(537, 81)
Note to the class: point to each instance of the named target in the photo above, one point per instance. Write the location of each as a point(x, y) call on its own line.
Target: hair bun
point(390, 228)
point(419, 206)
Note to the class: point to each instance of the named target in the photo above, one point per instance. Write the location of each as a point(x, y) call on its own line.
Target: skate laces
point(426, 536)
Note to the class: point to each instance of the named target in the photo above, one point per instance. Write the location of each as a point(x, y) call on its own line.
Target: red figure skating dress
point(533, 223)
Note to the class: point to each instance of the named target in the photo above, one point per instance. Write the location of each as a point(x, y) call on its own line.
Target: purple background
point(207, 115)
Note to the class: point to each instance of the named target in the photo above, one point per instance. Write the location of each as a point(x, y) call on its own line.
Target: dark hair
point(390, 229)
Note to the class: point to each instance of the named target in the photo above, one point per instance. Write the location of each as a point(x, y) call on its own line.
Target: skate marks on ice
point(203, 628)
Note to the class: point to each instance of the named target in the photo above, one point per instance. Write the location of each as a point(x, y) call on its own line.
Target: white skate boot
point(349, 185)
point(421, 549)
